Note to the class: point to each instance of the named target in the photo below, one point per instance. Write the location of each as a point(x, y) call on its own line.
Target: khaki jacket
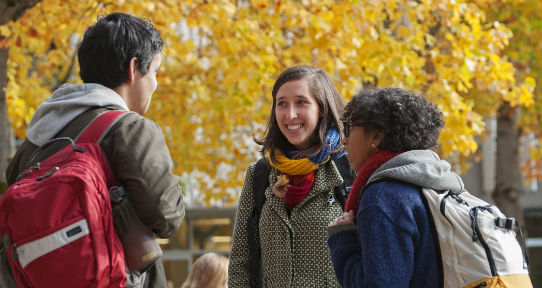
point(140, 160)
point(293, 246)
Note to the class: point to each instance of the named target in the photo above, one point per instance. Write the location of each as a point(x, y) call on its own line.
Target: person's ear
point(378, 136)
point(132, 68)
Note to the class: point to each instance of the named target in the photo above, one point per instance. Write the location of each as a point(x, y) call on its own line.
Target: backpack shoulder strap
point(343, 189)
point(434, 232)
point(97, 128)
point(92, 133)
point(260, 183)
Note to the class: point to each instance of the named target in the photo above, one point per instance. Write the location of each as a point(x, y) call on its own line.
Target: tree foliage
point(524, 52)
point(221, 59)
point(9, 11)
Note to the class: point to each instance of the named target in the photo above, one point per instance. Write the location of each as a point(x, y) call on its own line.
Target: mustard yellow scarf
point(306, 165)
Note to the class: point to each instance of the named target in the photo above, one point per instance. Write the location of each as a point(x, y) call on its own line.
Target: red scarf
point(374, 161)
point(301, 186)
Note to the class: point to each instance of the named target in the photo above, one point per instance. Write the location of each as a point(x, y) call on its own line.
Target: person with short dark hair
point(302, 140)
point(385, 239)
point(103, 58)
point(119, 58)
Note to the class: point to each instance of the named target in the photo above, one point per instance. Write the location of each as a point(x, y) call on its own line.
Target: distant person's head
point(391, 119)
point(122, 52)
point(209, 271)
point(306, 104)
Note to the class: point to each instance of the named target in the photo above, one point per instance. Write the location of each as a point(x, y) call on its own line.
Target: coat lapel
point(322, 182)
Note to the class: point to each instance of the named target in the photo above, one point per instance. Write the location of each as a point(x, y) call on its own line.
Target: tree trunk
point(9, 10)
point(508, 188)
point(4, 124)
point(13, 9)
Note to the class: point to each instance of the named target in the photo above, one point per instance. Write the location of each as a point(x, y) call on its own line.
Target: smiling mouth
point(293, 127)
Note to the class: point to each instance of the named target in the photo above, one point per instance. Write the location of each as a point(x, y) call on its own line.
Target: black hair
point(409, 122)
point(109, 45)
point(329, 101)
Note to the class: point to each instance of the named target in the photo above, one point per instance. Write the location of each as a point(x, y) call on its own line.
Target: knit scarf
point(373, 162)
point(304, 166)
point(301, 172)
point(299, 189)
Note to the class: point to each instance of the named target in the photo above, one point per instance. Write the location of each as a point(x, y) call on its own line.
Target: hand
point(280, 187)
point(346, 218)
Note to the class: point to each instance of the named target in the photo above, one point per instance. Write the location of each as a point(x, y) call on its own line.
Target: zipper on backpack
point(14, 255)
point(456, 197)
point(48, 174)
point(28, 171)
point(477, 236)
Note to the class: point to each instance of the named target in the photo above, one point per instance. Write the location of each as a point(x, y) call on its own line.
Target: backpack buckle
point(117, 193)
point(331, 200)
point(506, 223)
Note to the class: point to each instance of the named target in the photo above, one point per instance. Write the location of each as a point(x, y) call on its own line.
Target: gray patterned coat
point(294, 250)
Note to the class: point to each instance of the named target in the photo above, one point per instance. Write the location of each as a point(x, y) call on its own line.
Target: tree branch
point(14, 9)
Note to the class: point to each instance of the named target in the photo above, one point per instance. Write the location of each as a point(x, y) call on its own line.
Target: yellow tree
point(222, 57)
point(9, 11)
point(515, 122)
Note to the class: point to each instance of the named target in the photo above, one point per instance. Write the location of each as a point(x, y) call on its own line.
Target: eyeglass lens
point(346, 129)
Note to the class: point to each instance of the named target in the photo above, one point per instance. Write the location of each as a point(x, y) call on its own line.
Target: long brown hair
point(329, 101)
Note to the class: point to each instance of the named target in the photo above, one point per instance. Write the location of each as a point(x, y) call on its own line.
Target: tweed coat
point(293, 245)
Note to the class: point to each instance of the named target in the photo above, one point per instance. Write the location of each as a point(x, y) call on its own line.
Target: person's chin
point(300, 145)
point(351, 162)
point(293, 139)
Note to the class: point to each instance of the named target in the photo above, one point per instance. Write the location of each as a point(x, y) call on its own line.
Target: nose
point(292, 113)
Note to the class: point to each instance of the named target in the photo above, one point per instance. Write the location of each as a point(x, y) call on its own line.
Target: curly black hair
point(409, 122)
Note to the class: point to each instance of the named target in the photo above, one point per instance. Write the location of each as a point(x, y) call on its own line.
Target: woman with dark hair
point(303, 137)
point(384, 239)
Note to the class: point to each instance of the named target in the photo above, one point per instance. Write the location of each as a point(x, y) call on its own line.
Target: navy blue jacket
point(393, 244)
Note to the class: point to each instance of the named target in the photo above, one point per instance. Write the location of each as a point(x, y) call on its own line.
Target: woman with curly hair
point(384, 239)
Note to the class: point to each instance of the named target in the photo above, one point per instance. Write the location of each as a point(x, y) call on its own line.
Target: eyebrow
point(297, 96)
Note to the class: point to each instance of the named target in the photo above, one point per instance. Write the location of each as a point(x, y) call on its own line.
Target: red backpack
point(57, 221)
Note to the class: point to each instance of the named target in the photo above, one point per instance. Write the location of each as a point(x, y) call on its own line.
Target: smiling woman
point(304, 133)
point(297, 113)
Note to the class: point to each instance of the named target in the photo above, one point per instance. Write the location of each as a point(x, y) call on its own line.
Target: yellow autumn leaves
point(221, 58)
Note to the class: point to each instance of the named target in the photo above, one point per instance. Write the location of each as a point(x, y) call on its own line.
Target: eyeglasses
point(346, 127)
